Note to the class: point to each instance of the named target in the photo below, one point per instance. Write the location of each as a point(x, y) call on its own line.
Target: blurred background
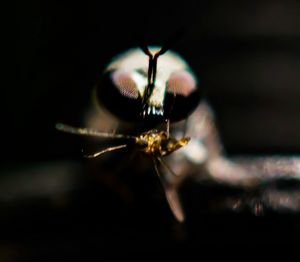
point(247, 57)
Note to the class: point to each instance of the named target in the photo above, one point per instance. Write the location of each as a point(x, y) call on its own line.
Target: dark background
point(247, 57)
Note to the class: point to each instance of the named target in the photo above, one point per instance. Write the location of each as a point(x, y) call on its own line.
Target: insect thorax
point(159, 143)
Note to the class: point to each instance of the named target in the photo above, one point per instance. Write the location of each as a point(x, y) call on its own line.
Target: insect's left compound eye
point(125, 84)
point(118, 92)
point(182, 95)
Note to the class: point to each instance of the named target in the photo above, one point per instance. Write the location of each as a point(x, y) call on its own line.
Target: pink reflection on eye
point(125, 84)
point(181, 83)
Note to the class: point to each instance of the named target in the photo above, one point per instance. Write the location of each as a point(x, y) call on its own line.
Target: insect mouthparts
point(152, 111)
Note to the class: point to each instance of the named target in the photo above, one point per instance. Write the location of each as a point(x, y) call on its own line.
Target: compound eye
point(125, 84)
point(181, 83)
point(118, 92)
point(182, 96)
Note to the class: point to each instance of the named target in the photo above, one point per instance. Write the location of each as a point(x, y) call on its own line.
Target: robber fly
point(157, 89)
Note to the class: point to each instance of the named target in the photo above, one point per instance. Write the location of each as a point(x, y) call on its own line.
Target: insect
point(155, 89)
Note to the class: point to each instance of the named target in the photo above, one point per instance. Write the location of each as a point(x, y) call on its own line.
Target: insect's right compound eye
point(182, 95)
point(119, 93)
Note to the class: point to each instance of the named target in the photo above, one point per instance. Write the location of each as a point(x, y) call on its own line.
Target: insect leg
point(168, 128)
point(171, 194)
point(109, 149)
point(90, 132)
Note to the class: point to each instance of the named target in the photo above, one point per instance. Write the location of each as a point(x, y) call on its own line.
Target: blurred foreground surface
point(65, 210)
